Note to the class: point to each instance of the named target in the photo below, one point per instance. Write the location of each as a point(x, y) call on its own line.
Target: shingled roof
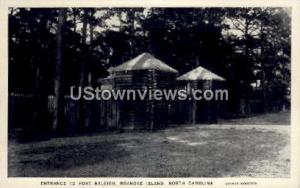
point(200, 73)
point(144, 61)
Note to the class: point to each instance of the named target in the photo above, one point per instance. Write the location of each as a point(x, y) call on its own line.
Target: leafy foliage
point(244, 45)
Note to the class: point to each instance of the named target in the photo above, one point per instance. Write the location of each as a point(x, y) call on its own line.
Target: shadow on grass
point(271, 118)
point(36, 162)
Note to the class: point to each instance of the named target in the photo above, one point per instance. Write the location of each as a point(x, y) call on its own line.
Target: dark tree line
point(53, 49)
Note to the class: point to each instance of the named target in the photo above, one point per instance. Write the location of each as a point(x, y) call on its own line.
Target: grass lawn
point(182, 151)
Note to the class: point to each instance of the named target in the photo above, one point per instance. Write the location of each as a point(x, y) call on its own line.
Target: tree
point(274, 67)
point(262, 39)
point(58, 71)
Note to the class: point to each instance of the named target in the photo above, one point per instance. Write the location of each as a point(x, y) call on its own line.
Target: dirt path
point(278, 166)
point(183, 151)
point(272, 167)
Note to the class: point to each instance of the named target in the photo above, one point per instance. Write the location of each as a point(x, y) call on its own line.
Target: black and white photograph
point(149, 92)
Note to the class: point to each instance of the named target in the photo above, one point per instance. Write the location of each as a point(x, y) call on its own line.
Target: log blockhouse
point(144, 72)
point(198, 111)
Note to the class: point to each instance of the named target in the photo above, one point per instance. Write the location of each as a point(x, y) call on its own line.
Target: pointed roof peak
point(200, 73)
point(144, 61)
point(146, 53)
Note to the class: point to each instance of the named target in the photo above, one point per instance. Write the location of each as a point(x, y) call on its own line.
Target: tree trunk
point(75, 13)
point(58, 71)
point(263, 70)
point(84, 120)
point(89, 72)
point(131, 17)
point(92, 12)
point(84, 45)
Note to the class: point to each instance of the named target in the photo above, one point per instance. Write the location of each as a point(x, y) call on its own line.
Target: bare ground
point(230, 150)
